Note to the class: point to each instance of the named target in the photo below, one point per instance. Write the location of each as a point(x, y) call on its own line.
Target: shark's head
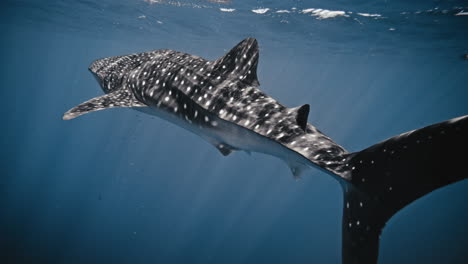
point(111, 72)
point(102, 71)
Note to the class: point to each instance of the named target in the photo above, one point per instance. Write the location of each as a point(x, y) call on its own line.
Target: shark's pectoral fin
point(242, 60)
point(120, 98)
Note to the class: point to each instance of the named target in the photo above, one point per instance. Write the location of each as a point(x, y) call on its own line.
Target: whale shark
point(220, 101)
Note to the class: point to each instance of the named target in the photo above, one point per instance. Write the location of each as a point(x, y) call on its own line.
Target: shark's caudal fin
point(120, 98)
point(390, 175)
point(363, 220)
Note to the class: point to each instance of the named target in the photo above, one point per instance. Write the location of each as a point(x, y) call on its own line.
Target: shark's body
point(220, 101)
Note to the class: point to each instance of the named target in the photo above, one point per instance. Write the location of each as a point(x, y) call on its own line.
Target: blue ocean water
point(119, 186)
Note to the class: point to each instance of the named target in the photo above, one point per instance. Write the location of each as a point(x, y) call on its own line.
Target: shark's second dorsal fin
point(302, 113)
point(120, 98)
point(242, 61)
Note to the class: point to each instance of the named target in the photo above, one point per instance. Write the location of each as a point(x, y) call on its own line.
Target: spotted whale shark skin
point(220, 101)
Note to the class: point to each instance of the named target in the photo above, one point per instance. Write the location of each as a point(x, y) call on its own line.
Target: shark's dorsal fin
point(120, 98)
point(241, 61)
point(302, 113)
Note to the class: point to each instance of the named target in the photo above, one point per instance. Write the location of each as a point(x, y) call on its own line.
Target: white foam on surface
point(369, 15)
point(227, 9)
point(318, 13)
point(309, 10)
point(261, 10)
point(176, 3)
point(323, 13)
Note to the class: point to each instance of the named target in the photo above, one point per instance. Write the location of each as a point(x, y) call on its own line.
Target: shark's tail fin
point(390, 175)
point(363, 220)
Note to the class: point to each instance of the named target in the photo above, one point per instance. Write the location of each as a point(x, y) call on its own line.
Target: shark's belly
point(221, 132)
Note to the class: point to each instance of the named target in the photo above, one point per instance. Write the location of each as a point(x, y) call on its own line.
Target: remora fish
point(220, 101)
